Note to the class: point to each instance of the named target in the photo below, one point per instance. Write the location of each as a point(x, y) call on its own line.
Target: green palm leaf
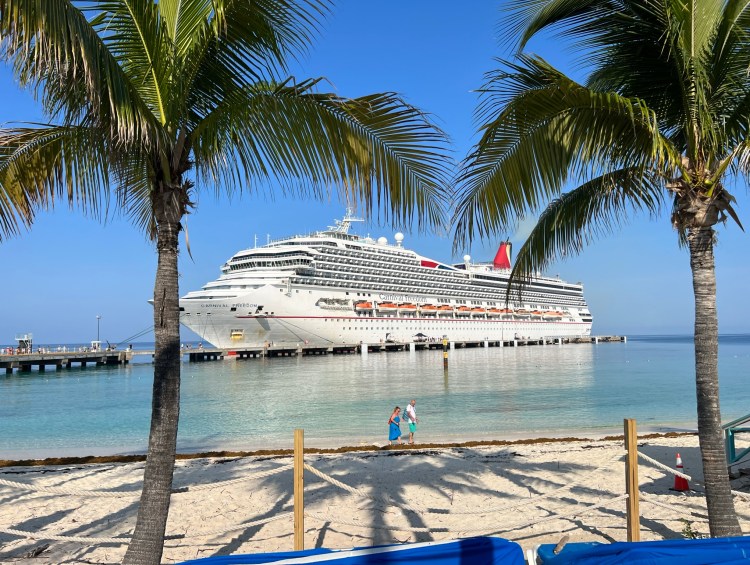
point(375, 148)
point(545, 128)
point(579, 217)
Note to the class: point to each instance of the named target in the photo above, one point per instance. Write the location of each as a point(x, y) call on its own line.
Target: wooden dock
point(66, 360)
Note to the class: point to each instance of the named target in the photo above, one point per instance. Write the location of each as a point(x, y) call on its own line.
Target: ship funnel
point(502, 258)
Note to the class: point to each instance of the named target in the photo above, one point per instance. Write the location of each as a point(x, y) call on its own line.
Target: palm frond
point(17, 207)
point(54, 49)
point(380, 152)
point(48, 162)
point(580, 216)
point(541, 128)
point(244, 43)
point(136, 35)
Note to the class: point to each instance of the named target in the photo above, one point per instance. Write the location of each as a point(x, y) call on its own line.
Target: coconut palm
point(155, 101)
point(662, 118)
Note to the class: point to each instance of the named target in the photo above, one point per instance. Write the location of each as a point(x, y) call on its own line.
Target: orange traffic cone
point(680, 483)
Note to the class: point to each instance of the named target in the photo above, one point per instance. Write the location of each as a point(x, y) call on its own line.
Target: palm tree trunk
point(147, 544)
point(722, 517)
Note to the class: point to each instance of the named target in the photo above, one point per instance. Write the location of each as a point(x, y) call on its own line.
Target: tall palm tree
point(662, 117)
point(159, 100)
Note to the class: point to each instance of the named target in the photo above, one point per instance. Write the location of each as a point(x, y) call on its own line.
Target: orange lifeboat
point(387, 306)
point(407, 306)
point(478, 311)
point(536, 313)
point(494, 312)
point(362, 306)
point(429, 309)
point(522, 313)
point(445, 309)
point(463, 311)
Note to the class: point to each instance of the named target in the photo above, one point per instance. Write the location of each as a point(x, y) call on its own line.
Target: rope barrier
point(125, 494)
point(577, 512)
point(69, 491)
point(676, 473)
point(54, 537)
point(212, 486)
point(663, 467)
point(412, 506)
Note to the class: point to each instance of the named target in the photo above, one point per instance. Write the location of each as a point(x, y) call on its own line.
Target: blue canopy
point(488, 550)
point(683, 552)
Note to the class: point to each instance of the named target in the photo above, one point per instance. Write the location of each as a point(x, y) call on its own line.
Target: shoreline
point(287, 452)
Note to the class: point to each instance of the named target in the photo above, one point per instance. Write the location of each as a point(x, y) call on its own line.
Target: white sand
point(506, 483)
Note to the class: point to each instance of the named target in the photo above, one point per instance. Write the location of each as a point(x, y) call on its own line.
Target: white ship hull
point(293, 321)
point(333, 288)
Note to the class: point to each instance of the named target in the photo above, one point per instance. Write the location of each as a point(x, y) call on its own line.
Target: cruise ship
point(334, 287)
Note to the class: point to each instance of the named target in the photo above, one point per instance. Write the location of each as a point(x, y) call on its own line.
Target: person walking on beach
point(411, 418)
point(394, 427)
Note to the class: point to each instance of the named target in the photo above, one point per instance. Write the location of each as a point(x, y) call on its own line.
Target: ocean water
point(494, 393)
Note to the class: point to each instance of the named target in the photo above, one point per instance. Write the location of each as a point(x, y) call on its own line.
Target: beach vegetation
point(659, 124)
point(151, 102)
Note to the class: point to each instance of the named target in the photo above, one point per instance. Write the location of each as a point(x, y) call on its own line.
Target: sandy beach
point(529, 492)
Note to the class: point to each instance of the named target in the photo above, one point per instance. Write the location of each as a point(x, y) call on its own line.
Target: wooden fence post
point(631, 481)
point(299, 504)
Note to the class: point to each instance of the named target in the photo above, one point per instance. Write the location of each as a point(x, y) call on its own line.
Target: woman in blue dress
point(394, 429)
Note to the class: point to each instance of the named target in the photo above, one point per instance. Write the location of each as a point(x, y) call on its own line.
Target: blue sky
point(68, 268)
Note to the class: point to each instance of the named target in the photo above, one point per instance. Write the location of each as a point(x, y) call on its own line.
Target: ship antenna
point(342, 226)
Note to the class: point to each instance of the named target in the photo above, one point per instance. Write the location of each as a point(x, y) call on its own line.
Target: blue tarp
point(685, 552)
point(467, 551)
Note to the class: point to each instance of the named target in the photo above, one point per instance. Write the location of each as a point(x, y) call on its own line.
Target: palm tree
point(662, 117)
point(159, 100)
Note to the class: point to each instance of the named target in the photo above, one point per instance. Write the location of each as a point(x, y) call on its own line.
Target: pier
point(294, 350)
point(66, 360)
point(62, 360)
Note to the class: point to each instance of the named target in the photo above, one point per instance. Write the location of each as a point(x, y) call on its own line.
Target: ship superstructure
point(334, 287)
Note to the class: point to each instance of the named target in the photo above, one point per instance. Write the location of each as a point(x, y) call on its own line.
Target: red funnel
point(502, 258)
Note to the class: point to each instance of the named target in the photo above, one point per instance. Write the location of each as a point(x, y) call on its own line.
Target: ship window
point(233, 309)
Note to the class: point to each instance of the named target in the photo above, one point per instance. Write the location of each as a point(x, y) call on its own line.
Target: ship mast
point(343, 225)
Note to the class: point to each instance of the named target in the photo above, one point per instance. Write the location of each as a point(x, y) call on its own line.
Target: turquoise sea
point(494, 393)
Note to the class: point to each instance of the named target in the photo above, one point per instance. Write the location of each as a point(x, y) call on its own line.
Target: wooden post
point(631, 481)
point(299, 505)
